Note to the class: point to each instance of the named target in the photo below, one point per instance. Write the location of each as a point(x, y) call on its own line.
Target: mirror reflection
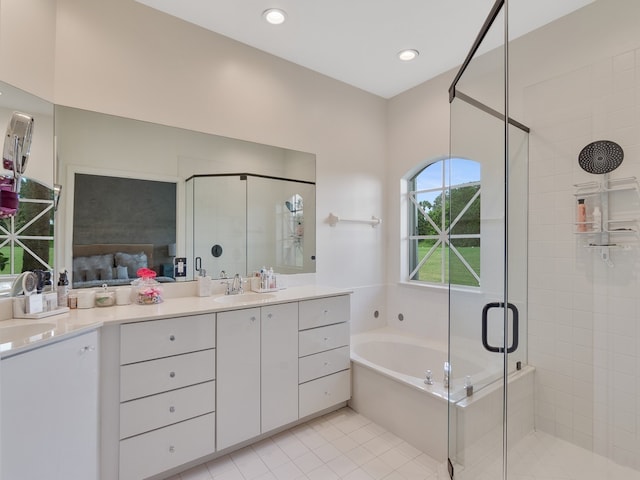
point(26, 234)
point(26, 239)
point(251, 226)
point(224, 210)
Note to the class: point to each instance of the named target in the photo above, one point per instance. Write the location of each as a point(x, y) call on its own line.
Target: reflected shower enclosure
point(239, 223)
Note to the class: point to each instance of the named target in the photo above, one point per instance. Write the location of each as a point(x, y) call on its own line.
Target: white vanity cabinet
point(167, 394)
point(49, 405)
point(238, 393)
point(182, 390)
point(324, 363)
point(279, 365)
point(257, 376)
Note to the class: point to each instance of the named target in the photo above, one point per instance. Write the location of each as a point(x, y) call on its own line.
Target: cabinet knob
point(328, 394)
point(325, 311)
point(253, 319)
point(172, 409)
point(172, 338)
point(87, 348)
point(172, 374)
point(270, 315)
point(326, 339)
point(326, 364)
point(172, 449)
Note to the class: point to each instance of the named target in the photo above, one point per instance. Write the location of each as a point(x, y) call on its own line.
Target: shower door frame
point(509, 322)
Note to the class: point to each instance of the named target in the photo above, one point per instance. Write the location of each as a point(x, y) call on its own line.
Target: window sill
point(440, 288)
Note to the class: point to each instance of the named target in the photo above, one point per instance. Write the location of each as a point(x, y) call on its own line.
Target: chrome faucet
point(234, 286)
point(447, 374)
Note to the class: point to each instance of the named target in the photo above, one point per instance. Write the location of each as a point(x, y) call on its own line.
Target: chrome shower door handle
point(485, 315)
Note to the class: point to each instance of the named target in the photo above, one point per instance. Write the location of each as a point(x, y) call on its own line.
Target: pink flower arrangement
point(149, 291)
point(146, 273)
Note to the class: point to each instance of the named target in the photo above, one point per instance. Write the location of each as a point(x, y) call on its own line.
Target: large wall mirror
point(27, 239)
point(276, 210)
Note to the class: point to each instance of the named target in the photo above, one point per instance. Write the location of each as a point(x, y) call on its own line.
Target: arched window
point(444, 223)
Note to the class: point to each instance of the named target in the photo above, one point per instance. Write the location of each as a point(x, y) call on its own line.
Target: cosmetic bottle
point(597, 219)
point(581, 216)
point(63, 289)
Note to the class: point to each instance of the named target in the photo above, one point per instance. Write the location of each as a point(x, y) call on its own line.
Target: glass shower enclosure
point(490, 384)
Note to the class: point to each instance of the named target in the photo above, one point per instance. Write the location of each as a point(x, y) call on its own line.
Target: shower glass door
point(487, 321)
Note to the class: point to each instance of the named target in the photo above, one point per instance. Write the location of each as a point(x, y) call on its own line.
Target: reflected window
point(292, 232)
point(444, 223)
point(26, 240)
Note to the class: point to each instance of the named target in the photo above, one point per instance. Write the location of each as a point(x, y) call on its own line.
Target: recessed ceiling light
point(408, 54)
point(274, 16)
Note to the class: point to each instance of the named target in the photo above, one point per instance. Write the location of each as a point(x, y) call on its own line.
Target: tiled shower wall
point(584, 333)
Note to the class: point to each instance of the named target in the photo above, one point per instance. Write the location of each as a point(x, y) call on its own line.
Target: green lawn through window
point(454, 269)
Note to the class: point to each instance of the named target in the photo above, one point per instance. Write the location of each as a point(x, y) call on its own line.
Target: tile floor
point(339, 445)
point(346, 445)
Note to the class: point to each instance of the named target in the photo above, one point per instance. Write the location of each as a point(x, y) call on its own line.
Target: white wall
point(418, 130)
point(27, 43)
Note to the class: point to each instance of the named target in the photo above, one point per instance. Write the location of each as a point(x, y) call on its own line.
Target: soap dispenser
point(204, 283)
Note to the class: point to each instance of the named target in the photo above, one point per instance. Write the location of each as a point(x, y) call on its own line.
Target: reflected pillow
point(80, 265)
point(94, 267)
point(133, 261)
point(122, 272)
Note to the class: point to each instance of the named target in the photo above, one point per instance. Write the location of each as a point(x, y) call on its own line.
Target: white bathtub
point(388, 372)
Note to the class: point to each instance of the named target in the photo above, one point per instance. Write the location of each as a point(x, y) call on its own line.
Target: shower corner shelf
point(614, 232)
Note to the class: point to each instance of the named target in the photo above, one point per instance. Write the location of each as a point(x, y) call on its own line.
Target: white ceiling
point(357, 41)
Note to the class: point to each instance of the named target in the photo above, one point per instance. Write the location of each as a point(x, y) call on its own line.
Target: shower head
point(601, 157)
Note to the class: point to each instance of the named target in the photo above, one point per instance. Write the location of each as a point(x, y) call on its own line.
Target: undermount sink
point(14, 333)
point(249, 297)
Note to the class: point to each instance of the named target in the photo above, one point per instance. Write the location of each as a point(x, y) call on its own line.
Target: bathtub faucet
point(447, 373)
point(428, 377)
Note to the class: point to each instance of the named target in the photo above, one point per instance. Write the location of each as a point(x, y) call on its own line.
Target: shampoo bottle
point(597, 219)
point(581, 216)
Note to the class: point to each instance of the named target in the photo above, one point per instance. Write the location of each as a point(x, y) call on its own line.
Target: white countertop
point(37, 333)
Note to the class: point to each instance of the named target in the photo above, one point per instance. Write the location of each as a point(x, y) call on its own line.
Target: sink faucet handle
point(223, 274)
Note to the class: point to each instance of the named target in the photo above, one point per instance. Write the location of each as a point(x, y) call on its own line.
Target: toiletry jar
point(105, 299)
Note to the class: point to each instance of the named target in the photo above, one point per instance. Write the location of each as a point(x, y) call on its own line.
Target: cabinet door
point(238, 376)
point(279, 359)
point(49, 400)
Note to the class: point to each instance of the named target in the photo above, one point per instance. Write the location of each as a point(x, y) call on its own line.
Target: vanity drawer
point(324, 338)
point(149, 413)
point(161, 338)
point(324, 392)
point(156, 376)
point(323, 311)
point(322, 364)
point(166, 448)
